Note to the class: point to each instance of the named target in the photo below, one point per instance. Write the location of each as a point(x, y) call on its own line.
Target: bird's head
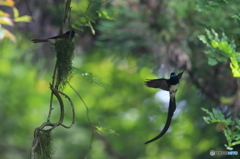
point(173, 74)
point(71, 33)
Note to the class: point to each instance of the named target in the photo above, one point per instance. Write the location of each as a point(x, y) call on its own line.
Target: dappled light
point(98, 79)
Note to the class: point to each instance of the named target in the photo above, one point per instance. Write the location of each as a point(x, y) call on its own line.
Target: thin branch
point(56, 93)
point(51, 98)
point(73, 111)
point(92, 128)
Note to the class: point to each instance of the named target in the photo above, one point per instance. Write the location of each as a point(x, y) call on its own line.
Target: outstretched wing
point(180, 75)
point(158, 83)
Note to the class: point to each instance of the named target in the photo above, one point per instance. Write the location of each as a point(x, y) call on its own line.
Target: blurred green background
point(136, 40)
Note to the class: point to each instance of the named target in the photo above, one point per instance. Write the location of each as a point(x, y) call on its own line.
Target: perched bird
point(68, 34)
point(170, 85)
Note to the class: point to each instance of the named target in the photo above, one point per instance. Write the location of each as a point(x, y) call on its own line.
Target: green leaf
point(214, 43)
point(207, 120)
point(15, 12)
point(235, 54)
point(104, 14)
point(102, 130)
point(218, 114)
point(204, 2)
point(221, 59)
point(223, 46)
point(208, 33)
point(203, 39)
point(24, 18)
point(4, 14)
point(83, 20)
point(228, 147)
point(215, 35)
point(209, 52)
point(201, 8)
point(212, 61)
point(234, 67)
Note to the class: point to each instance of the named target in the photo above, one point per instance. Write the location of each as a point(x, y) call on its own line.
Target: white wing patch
point(173, 90)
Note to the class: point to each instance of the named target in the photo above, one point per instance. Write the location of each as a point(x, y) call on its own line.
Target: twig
point(56, 93)
point(92, 128)
point(51, 98)
point(73, 111)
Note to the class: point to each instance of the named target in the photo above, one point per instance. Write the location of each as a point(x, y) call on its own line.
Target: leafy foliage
point(231, 127)
point(220, 47)
point(126, 107)
point(206, 5)
point(6, 20)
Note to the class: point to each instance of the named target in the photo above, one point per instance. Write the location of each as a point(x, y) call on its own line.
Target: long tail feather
point(171, 109)
point(39, 40)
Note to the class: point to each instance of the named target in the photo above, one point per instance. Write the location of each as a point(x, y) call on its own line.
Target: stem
point(56, 93)
point(92, 129)
point(51, 98)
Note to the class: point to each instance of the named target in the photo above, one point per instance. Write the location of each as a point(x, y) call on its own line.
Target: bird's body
point(68, 34)
point(170, 85)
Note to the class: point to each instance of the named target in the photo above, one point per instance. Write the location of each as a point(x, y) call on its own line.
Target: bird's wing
point(57, 37)
point(39, 40)
point(180, 75)
point(158, 83)
point(171, 109)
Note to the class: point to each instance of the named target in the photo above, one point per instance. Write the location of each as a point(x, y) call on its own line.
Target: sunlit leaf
point(223, 46)
point(104, 14)
point(215, 35)
point(203, 39)
point(234, 67)
point(102, 130)
point(214, 43)
point(4, 14)
point(24, 18)
point(15, 12)
point(6, 21)
point(9, 3)
point(209, 34)
point(2, 34)
point(235, 54)
point(9, 35)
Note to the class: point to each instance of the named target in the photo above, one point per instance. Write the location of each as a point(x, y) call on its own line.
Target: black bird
point(170, 85)
point(68, 34)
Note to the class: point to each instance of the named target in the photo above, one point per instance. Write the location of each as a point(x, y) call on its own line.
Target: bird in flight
point(170, 85)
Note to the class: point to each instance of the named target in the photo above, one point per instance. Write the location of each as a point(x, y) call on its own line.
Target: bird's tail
point(39, 40)
point(171, 109)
